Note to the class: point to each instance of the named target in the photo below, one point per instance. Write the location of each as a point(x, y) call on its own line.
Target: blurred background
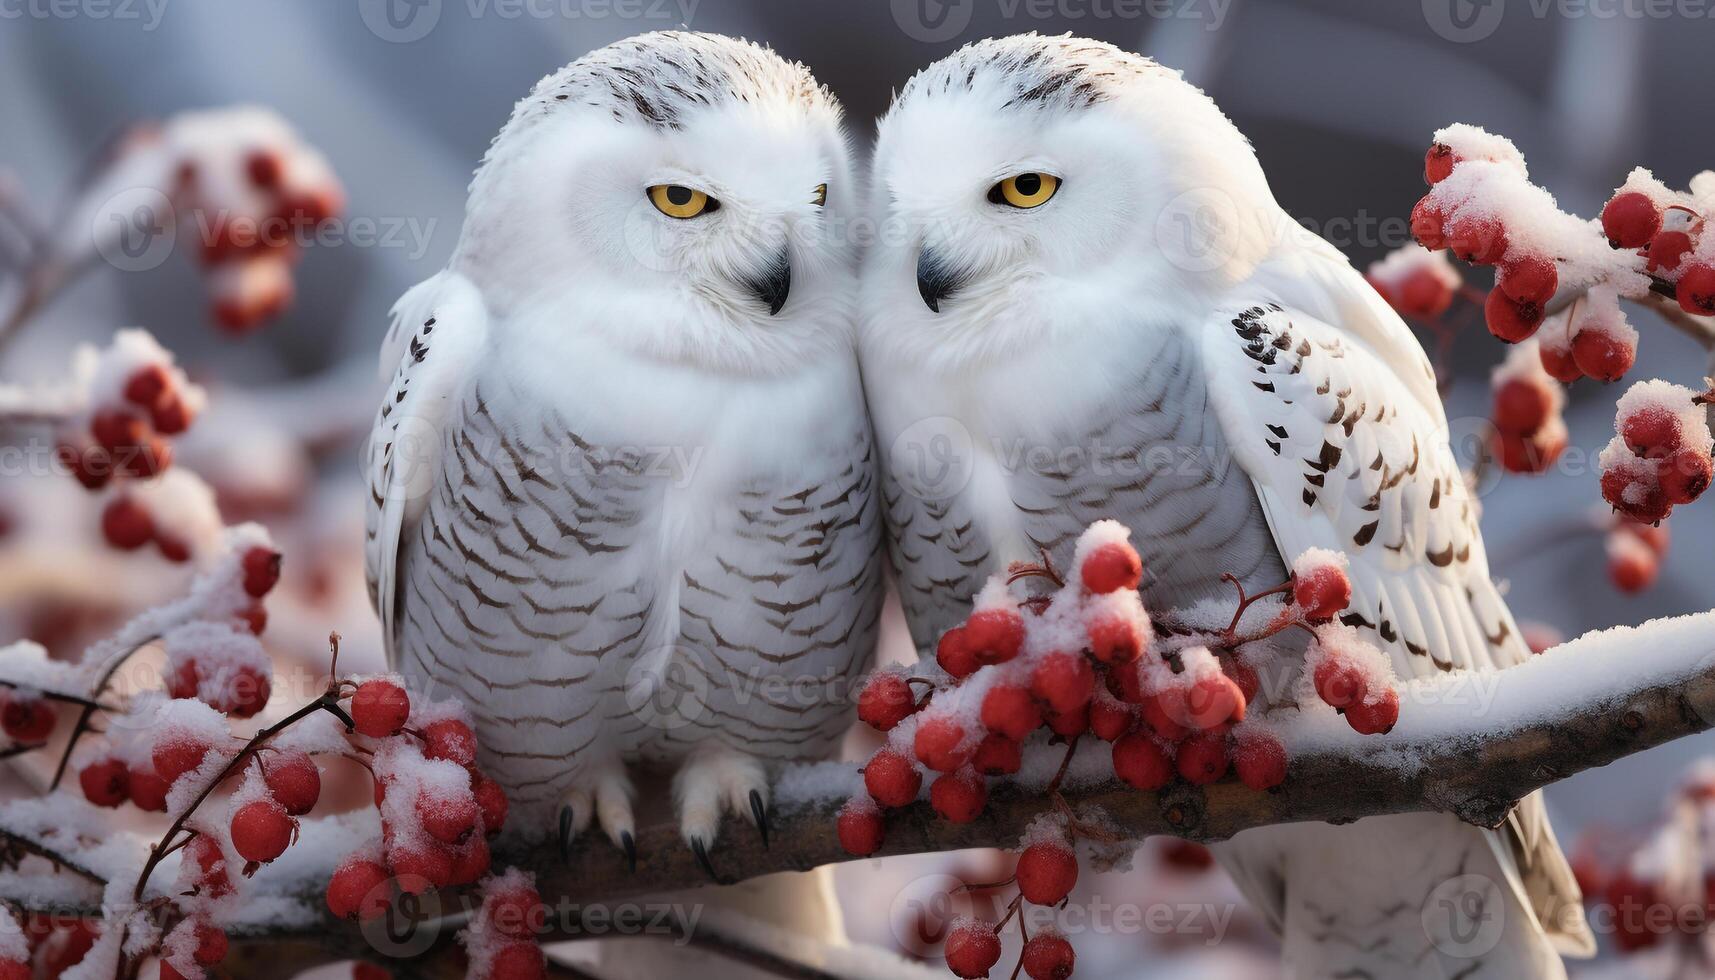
point(402, 97)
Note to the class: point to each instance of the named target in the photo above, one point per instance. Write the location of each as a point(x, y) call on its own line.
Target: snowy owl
point(1087, 304)
point(622, 482)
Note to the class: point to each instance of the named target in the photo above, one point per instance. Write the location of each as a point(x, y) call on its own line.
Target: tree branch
point(1469, 744)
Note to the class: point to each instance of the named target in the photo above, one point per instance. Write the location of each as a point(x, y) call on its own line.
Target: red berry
point(168, 972)
point(1244, 676)
point(859, 827)
point(1375, 716)
point(358, 891)
point(1635, 493)
point(1477, 239)
point(954, 654)
point(959, 796)
point(1696, 289)
point(264, 168)
point(254, 618)
point(1529, 454)
point(1510, 320)
point(1215, 701)
point(1064, 681)
point(1260, 760)
point(1666, 250)
point(1652, 433)
point(126, 524)
point(294, 781)
point(1530, 279)
point(994, 635)
point(1048, 957)
point(891, 779)
point(885, 701)
point(105, 783)
point(211, 943)
point(491, 799)
point(1428, 224)
point(147, 460)
point(149, 790)
point(173, 549)
point(450, 739)
point(1437, 165)
point(1523, 405)
point(118, 431)
point(973, 948)
point(470, 862)
point(205, 855)
point(448, 819)
point(1112, 567)
point(261, 571)
point(1202, 758)
point(249, 691)
point(942, 744)
point(177, 754)
point(998, 755)
point(91, 466)
point(171, 417)
point(517, 961)
point(262, 830)
point(1656, 537)
point(1559, 363)
point(419, 867)
point(1166, 713)
point(1139, 762)
point(1425, 294)
point(28, 719)
point(1109, 719)
point(1633, 570)
point(380, 708)
point(147, 385)
point(1046, 872)
point(1011, 711)
point(1630, 219)
point(1603, 356)
point(1114, 640)
point(516, 912)
point(1340, 684)
point(1322, 592)
point(1069, 724)
point(1685, 475)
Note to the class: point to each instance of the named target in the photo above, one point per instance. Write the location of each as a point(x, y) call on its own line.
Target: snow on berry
point(1104, 559)
point(1660, 456)
point(891, 778)
point(451, 739)
point(500, 939)
point(972, 948)
point(1258, 757)
point(1526, 396)
point(1048, 956)
point(1415, 281)
point(885, 699)
point(1346, 671)
point(1632, 564)
point(1047, 869)
point(959, 796)
point(860, 827)
point(359, 890)
point(380, 707)
point(222, 666)
point(1320, 584)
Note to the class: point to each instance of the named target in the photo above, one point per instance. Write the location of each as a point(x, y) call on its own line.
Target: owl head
point(1030, 186)
point(678, 194)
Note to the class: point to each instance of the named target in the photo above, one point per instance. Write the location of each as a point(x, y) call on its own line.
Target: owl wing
point(939, 551)
point(438, 328)
point(1346, 455)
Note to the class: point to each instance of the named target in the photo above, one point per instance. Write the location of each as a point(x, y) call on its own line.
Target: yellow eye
point(1025, 191)
point(677, 201)
point(821, 198)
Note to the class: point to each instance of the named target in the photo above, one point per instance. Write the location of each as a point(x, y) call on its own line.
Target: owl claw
point(702, 854)
point(566, 815)
point(760, 814)
point(628, 843)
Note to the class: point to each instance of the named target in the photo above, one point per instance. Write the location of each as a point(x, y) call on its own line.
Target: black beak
point(773, 285)
point(935, 280)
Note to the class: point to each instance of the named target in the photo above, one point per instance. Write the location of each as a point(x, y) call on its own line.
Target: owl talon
point(702, 854)
point(628, 844)
point(759, 813)
point(565, 834)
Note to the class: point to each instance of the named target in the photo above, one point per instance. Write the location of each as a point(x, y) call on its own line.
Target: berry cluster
point(251, 192)
point(120, 408)
point(437, 808)
point(1669, 230)
point(1171, 697)
point(1661, 456)
point(1530, 430)
point(1659, 891)
point(501, 939)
